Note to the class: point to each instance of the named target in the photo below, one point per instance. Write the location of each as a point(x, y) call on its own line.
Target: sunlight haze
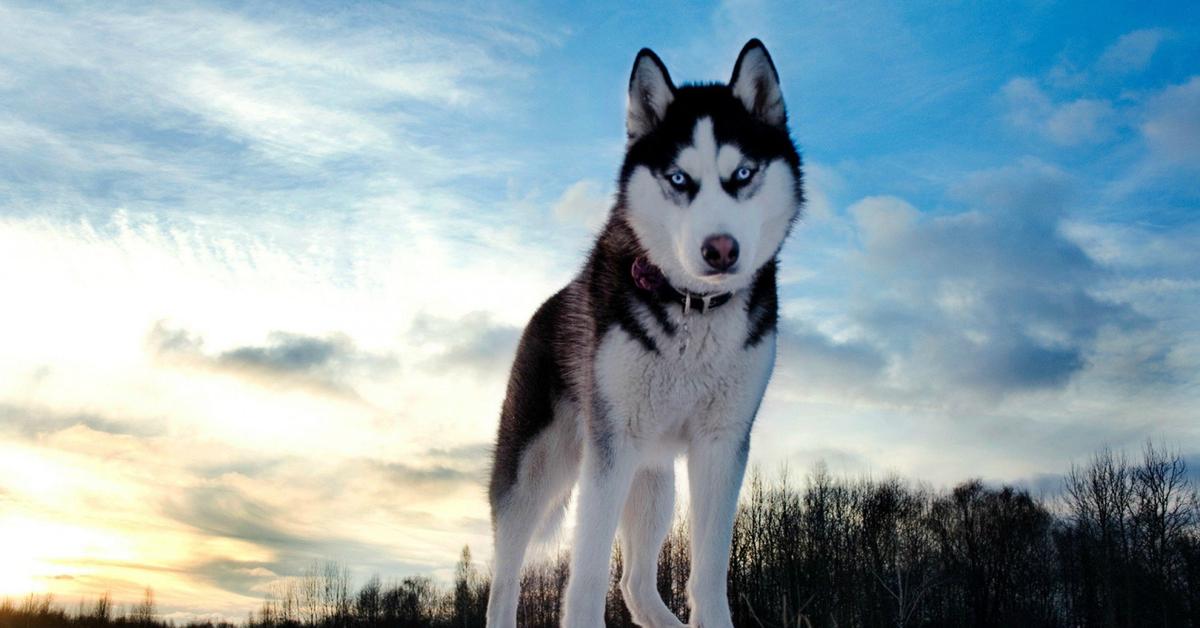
point(265, 268)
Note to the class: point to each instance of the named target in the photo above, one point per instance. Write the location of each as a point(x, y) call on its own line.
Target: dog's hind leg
point(547, 471)
point(644, 525)
point(513, 529)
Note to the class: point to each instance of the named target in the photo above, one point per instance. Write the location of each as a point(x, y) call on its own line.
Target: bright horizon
point(266, 268)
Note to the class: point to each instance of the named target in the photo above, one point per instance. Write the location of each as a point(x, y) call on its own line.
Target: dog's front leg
point(716, 463)
point(608, 468)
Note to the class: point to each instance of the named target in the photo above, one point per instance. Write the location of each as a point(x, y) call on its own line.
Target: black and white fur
point(612, 382)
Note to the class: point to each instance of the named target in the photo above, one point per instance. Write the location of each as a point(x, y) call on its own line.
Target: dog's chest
point(698, 379)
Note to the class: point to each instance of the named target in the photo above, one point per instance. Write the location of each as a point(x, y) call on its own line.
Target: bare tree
point(368, 604)
point(469, 602)
point(143, 612)
point(1164, 510)
point(102, 612)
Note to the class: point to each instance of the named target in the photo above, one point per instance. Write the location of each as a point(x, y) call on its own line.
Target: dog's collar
point(650, 278)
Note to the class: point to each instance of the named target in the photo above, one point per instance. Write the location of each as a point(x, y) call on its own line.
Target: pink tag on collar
point(647, 276)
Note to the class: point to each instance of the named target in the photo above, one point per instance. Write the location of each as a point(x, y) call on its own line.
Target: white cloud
point(821, 184)
point(277, 120)
point(585, 203)
point(1137, 248)
point(1172, 123)
point(1132, 51)
point(1081, 121)
point(1028, 102)
point(296, 204)
point(217, 406)
point(970, 311)
point(883, 219)
point(1008, 333)
point(221, 109)
point(1129, 54)
point(1031, 187)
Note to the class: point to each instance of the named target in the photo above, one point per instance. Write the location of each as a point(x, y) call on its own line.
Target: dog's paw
point(663, 622)
point(656, 618)
point(711, 622)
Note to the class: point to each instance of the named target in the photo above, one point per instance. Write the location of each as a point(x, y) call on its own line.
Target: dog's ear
point(650, 91)
point(756, 83)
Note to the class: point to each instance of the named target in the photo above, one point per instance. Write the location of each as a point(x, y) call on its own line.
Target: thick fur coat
point(625, 369)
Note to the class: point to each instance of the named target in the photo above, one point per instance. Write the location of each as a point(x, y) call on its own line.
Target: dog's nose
point(720, 251)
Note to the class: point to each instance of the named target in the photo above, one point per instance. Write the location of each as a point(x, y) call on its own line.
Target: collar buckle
point(706, 300)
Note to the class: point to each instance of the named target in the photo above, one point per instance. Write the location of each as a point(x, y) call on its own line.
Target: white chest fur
point(666, 398)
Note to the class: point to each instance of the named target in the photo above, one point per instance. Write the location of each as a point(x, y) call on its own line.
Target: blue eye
point(743, 174)
point(678, 180)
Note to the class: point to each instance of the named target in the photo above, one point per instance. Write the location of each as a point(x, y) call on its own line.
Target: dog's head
point(711, 180)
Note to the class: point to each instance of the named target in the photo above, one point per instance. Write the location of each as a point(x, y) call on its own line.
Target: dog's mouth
point(717, 275)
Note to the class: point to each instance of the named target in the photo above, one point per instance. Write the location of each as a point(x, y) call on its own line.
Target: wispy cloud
point(475, 342)
point(584, 202)
point(1172, 123)
point(1085, 120)
point(182, 101)
point(998, 298)
point(325, 363)
point(1011, 320)
point(1132, 51)
point(265, 267)
point(156, 507)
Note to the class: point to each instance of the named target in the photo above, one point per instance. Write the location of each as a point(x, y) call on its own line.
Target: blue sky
point(266, 266)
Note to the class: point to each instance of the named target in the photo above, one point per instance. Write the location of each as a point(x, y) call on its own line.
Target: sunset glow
point(264, 269)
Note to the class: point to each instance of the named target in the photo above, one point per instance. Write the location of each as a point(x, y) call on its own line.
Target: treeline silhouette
point(40, 611)
point(1119, 546)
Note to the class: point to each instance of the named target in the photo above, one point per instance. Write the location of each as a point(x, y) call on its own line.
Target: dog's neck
point(649, 278)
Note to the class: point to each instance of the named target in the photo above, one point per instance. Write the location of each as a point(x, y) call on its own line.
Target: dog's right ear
point(650, 91)
point(756, 83)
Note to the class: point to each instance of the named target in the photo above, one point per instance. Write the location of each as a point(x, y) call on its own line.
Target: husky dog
point(662, 345)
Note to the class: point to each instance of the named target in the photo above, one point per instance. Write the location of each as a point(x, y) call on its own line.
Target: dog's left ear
point(756, 83)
